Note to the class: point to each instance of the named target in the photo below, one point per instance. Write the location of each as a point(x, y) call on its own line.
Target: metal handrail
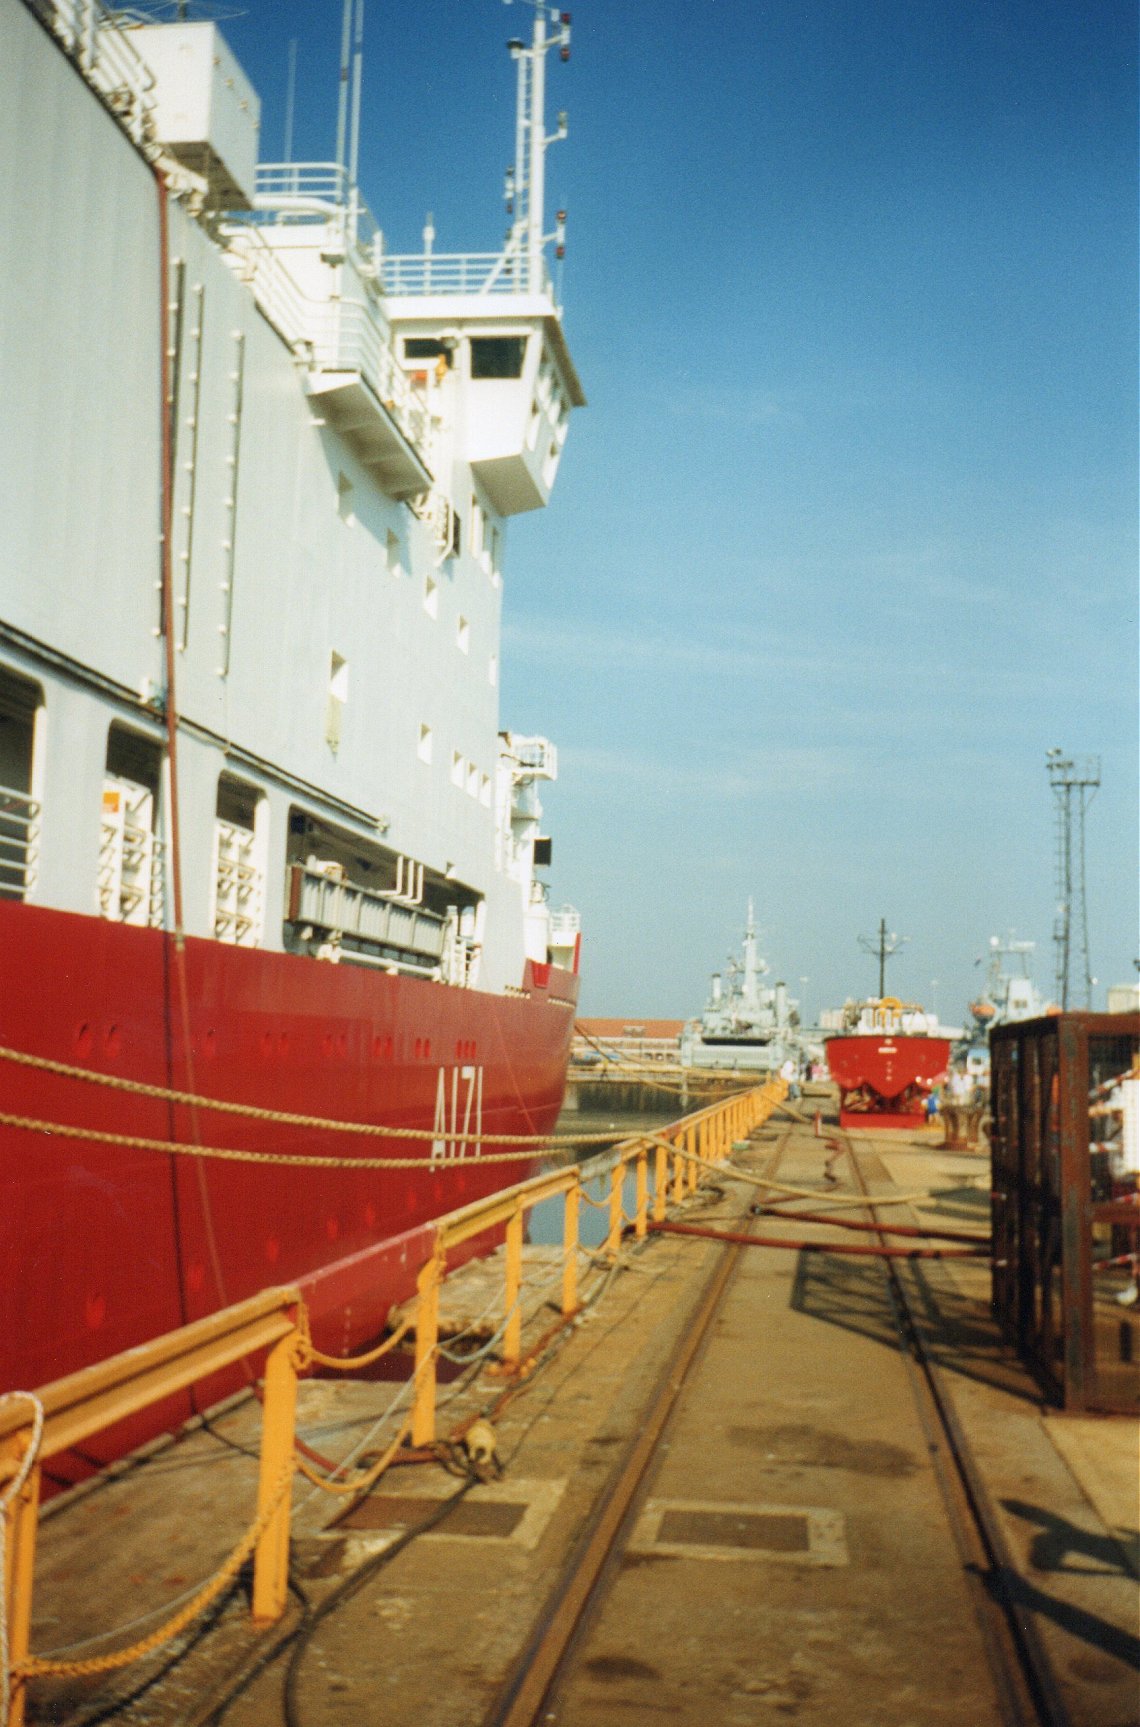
point(19, 843)
point(86, 1403)
point(83, 1404)
point(421, 274)
point(100, 47)
point(318, 192)
point(345, 335)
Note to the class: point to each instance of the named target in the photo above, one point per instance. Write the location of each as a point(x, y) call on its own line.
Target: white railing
point(106, 57)
point(238, 886)
point(328, 903)
point(302, 192)
point(303, 186)
point(565, 924)
point(334, 335)
point(254, 262)
point(346, 337)
point(130, 879)
point(534, 758)
point(477, 273)
point(19, 843)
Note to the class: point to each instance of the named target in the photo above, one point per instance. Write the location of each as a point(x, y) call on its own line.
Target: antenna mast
point(1074, 784)
point(883, 946)
point(526, 180)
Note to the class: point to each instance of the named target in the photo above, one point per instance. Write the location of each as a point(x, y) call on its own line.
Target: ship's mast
point(348, 104)
point(883, 945)
point(750, 973)
point(526, 180)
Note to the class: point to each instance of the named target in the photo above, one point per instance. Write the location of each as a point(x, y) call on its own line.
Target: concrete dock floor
point(789, 1556)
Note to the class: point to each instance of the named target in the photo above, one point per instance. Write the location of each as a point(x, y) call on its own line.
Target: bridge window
point(427, 348)
point(497, 356)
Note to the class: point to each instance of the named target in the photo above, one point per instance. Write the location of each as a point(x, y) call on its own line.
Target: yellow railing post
point(642, 1192)
point(427, 1335)
point(570, 1249)
point(20, 1516)
point(271, 1555)
point(678, 1175)
point(660, 1184)
point(512, 1336)
point(617, 1182)
point(692, 1169)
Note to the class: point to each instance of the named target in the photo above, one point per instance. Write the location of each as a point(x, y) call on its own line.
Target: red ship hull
point(884, 1080)
point(105, 1246)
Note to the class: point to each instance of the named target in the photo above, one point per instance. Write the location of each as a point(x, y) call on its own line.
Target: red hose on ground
point(887, 1228)
point(848, 1247)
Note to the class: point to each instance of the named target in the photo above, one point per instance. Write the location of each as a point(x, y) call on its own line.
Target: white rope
point(12, 1492)
point(362, 1444)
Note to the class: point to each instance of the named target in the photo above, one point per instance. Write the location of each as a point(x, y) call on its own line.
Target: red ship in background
point(886, 1062)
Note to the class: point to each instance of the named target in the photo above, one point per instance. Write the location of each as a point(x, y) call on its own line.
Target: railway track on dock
point(1026, 1691)
point(527, 1696)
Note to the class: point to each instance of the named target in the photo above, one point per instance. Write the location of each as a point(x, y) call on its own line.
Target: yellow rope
point(285, 1118)
point(308, 1354)
point(36, 1667)
point(33, 1667)
point(316, 1160)
point(229, 1154)
point(359, 1483)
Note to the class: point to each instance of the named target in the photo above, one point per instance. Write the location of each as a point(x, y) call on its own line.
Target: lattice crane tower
point(1074, 782)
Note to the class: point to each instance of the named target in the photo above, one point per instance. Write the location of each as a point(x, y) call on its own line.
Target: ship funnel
point(781, 1004)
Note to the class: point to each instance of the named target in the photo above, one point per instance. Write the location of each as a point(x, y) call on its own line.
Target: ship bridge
point(417, 361)
point(487, 325)
point(491, 323)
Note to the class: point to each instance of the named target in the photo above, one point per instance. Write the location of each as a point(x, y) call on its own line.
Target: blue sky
point(846, 537)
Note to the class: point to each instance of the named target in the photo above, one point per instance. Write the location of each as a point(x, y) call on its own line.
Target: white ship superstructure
point(348, 434)
point(262, 837)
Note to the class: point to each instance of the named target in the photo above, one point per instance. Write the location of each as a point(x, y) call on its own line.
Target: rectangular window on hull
point(337, 697)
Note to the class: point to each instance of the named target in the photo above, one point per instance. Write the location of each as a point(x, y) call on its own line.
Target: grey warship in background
point(745, 1024)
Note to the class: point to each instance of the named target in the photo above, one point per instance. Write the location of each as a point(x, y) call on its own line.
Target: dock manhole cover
point(777, 1531)
point(704, 1529)
point(475, 1517)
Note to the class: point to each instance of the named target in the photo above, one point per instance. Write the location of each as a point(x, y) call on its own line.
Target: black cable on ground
point(301, 1634)
point(305, 1632)
point(110, 1707)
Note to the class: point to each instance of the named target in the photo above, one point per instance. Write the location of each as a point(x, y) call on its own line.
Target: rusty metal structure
point(1066, 1203)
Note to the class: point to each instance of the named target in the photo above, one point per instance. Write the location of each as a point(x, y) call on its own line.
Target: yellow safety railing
point(36, 1427)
